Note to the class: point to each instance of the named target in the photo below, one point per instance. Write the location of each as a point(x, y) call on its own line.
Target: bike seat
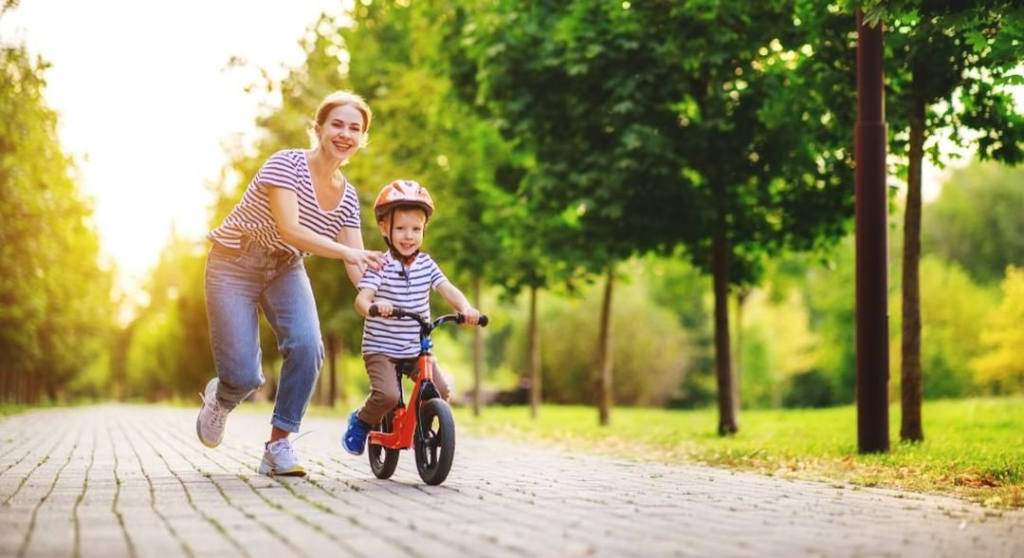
point(405, 367)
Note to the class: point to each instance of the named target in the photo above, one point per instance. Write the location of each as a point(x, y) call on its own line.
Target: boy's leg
point(384, 394)
point(384, 390)
point(441, 381)
point(291, 310)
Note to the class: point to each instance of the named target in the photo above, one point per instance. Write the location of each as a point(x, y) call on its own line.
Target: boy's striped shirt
point(252, 217)
point(406, 288)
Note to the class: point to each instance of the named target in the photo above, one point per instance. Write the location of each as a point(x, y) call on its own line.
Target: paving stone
point(124, 480)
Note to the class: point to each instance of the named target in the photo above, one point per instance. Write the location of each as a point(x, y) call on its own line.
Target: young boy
point(402, 209)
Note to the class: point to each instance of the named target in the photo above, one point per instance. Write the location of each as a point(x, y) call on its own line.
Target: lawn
point(973, 448)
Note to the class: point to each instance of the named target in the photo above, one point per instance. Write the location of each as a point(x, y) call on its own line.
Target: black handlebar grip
point(373, 311)
point(482, 322)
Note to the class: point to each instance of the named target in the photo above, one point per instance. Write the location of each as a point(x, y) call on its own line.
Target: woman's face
point(341, 134)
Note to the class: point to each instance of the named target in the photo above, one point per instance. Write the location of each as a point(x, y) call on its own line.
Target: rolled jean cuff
point(285, 424)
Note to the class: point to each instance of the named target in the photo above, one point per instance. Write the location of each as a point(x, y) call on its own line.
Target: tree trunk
point(741, 298)
point(478, 350)
point(535, 378)
point(723, 366)
point(911, 383)
point(604, 365)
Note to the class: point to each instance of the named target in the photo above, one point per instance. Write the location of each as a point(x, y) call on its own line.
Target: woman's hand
point(364, 259)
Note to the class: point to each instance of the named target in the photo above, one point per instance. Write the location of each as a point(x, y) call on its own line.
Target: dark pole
point(872, 244)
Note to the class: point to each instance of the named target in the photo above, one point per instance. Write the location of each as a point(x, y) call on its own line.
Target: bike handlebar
point(403, 313)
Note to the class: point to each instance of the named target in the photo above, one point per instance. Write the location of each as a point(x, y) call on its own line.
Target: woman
point(298, 204)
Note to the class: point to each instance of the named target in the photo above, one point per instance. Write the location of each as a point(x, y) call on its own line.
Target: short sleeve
point(437, 277)
point(350, 208)
point(371, 279)
point(280, 170)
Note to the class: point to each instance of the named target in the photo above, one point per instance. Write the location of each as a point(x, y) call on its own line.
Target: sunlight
point(148, 106)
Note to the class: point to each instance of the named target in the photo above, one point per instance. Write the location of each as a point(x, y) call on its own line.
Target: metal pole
point(872, 244)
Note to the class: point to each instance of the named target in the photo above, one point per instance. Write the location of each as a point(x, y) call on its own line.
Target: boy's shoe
point(354, 440)
point(212, 417)
point(280, 460)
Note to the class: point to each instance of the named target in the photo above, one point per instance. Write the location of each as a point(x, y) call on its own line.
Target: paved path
point(134, 481)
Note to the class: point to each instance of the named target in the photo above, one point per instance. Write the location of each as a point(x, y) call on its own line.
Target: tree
point(978, 44)
point(1000, 369)
point(55, 304)
point(642, 117)
point(976, 220)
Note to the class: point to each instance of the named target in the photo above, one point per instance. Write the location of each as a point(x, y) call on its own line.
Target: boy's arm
point(365, 299)
point(363, 302)
point(454, 297)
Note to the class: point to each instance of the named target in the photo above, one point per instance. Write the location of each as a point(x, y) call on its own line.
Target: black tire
point(434, 441)
point(383, 461)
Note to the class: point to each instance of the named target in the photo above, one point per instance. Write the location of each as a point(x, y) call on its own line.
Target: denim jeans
point(237, 283)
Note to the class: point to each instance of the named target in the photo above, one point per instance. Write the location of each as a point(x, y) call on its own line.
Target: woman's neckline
point(307, 154)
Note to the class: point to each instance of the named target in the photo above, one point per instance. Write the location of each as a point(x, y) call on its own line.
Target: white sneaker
point(280, 459)
point(212, 417)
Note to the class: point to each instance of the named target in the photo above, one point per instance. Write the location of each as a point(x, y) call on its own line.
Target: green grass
point(973, 449)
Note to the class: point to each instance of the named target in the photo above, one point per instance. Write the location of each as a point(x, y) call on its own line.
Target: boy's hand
point(470, 316)
point(384, 309)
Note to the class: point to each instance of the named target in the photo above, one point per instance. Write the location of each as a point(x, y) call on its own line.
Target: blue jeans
point(237, 283)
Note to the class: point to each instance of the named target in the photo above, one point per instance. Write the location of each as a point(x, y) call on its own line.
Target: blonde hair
point(338, 99)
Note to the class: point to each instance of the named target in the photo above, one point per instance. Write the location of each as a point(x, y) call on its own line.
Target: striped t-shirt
point(252, 217)
point(404, 287)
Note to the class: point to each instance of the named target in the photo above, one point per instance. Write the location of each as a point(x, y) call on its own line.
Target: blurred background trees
point(56, 309)
point(561, 140)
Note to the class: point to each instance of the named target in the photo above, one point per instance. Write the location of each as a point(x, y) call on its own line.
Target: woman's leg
point(232, 294)
point(291, 310)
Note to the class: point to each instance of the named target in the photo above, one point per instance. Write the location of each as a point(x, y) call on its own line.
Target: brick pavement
point(134, 481)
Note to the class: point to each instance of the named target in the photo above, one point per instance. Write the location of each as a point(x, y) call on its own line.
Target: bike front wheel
point(383, 461)
point(434, 441)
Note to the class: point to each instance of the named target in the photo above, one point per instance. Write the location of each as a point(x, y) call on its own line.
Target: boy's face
point(406, 229)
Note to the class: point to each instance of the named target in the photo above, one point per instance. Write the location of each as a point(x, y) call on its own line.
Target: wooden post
point(872, 244)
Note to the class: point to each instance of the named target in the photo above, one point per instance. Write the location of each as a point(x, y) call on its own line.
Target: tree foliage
point(977, 220)
point(1000, 369)
point(55, 305)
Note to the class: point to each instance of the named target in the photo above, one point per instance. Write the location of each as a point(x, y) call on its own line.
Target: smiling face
point(405, 227)
point(341, 133)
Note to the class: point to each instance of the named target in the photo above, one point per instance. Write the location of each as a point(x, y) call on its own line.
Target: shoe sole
point(267, 469)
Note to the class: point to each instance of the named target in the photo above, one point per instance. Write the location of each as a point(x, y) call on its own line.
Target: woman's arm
point(454, 297)
point(284, 204)
point(353, 238)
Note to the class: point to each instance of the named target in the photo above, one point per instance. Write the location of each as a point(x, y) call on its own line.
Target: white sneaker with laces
point(280, 459)
point(212, 417)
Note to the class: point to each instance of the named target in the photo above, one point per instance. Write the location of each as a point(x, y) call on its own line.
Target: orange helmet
point(402, 193)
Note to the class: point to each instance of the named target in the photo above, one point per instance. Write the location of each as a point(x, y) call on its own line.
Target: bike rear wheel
point(383, 461)
point(434, 441)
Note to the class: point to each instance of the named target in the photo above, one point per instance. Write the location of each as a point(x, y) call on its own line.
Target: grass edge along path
point(973, 448)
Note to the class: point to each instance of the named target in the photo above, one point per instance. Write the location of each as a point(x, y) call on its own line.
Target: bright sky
point(146, 102)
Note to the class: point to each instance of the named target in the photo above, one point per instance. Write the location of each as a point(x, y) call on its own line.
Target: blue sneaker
point(354, 440)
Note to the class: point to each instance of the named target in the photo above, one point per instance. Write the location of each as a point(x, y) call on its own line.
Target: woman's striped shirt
point(252, 218)
point(404, 287)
